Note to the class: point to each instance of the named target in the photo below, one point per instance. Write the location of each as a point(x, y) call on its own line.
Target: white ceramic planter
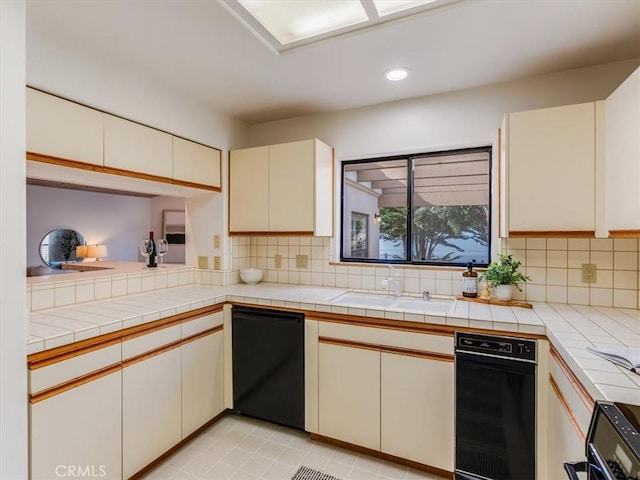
point(504, 292)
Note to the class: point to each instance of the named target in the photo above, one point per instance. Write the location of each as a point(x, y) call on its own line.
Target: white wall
point(120, 222)
point(13, 311)
point(465, 118)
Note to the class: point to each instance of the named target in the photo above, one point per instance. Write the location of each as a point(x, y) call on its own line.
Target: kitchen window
point(427, 209)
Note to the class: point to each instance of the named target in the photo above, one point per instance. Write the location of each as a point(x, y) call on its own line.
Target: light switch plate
point(216, 262)
point(216, 243)
point(203, 262)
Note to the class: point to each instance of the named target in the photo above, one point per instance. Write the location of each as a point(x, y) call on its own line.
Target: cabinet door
point(78, 433)
point(349, 387)
point(564, 442)
point(417, 409)
point(64, 129)
point(249, 190)
point(551, 169)
point(623, 158)
point(291, 187)
point(136, 148)
point(195, 163)
point(151, 409)
point(202, 381)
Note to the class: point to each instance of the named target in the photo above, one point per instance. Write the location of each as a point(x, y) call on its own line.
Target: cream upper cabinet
point(137, 148)
point(249, 190)
point(417, 409)
point(548, 171)
point(623, 159)
point(349, 394)
point(195, 163)
point(63, 129)
point(291, 182)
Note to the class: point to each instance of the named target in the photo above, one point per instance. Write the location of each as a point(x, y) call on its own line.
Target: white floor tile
point(240, 448)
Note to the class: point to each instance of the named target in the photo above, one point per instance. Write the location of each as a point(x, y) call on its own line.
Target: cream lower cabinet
point(417, 408)
point(564, 441)
point(349, 394)
point(202, 381)
point(151, 409)
point(78, 433)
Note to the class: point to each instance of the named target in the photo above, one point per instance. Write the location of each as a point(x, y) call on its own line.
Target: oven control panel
point(509, 347)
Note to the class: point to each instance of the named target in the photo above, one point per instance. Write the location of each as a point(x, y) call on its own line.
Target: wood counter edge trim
point(66, 352)
point(407, 326)
point(64, 162)
point(76, 382)
point(151, 353)
point(567, 408)
point(385, 456)
point(272, 234)
point(586, 398)
point(204, 333)
point(624, 233)
point(552, 234)
point(410, 352)
point(349, 343)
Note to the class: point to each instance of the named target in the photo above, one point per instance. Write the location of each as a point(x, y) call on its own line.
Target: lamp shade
point(97, 251)
point(81, 251)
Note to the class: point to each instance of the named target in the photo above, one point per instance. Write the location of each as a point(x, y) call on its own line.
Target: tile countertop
point(570, 328)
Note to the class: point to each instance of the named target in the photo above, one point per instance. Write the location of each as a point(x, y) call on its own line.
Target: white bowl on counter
point(251, 276)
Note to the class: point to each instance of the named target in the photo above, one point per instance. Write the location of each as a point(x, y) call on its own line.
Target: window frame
point(410, 158)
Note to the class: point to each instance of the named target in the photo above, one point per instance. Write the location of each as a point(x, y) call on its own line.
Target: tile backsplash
point(554, 265)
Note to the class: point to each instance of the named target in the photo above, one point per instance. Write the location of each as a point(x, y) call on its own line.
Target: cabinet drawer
point(201, 324)
point(150, 341)
point(60, 372)
point(388, 337)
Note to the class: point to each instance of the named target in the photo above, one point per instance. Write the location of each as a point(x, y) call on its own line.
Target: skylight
point(287, 24)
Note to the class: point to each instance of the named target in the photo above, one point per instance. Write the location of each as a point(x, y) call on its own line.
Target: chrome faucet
point(393, 282)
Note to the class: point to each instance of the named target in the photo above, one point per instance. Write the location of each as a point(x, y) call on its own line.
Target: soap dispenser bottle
point(470, 282)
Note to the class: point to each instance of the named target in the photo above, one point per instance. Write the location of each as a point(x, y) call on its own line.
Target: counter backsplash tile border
point(554, 265)
point(45, 295)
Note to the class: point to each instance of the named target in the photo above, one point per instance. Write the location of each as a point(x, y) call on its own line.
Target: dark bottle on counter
point(470, 282)
point(151, 261)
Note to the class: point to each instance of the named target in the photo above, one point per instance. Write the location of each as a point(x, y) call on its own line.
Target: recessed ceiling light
point(396, 74)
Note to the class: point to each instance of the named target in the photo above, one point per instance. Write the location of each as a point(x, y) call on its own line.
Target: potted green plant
point(503, 274)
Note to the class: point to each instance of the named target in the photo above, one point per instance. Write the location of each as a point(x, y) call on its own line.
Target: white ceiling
point(200, 49)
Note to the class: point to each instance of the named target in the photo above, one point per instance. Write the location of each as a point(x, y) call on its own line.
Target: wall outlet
point(302, 261)
point(216, 242)
point(278, 261)
point(216, 262)
point(588, 273)
point(203, 262)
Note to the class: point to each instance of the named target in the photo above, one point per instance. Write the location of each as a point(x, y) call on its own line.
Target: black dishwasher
point(268, 365)
point(495, 407)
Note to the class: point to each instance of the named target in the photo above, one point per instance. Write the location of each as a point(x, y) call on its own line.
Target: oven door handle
point(572, 469)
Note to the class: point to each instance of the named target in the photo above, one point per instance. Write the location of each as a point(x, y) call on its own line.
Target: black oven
point(612, 444)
